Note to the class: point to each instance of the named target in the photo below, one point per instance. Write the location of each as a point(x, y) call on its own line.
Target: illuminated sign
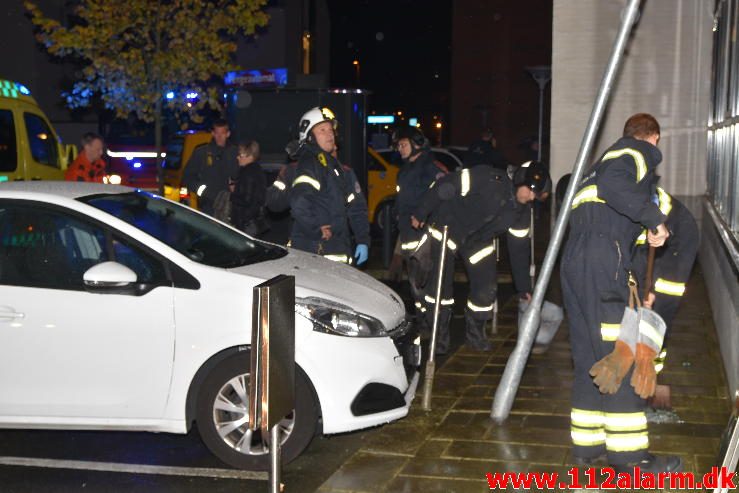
point(381, 119)
point(273, 77)
point(412, 122)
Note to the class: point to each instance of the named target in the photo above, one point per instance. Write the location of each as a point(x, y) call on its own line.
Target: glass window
point(148, 269)
point(42, 141)
point(44, 248)
point(174, 153)
point(194, 235)
point(8, 148)
point(723, 132)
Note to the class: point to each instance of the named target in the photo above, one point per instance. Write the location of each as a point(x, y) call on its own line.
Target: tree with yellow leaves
point(135, 52)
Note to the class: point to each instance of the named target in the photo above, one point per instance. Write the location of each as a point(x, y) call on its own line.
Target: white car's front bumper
point(352, 376)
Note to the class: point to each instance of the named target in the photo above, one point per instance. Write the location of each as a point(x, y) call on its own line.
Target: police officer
point(416, 175)
point(478, 204)
point(211, 167)
point(325, 202)
point(672, 264)
point(612, 205)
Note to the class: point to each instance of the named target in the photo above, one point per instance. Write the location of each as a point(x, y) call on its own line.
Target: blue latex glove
point(361, 254)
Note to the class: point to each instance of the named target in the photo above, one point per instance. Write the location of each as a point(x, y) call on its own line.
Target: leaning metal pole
point(428, 377)
point(508, 386)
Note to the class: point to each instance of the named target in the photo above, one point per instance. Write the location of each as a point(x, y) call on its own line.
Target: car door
point(44, 161)
point(67, 352)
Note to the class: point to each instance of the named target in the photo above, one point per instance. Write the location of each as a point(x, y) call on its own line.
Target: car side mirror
point(109, 276)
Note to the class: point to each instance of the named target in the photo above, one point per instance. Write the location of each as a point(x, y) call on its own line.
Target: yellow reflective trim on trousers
point(308, 181)
point(668, 287)
point(337, 258)
point(626, 421)
point(444, 302)
point(409, 245)
point(279, 185)
point(519, 233)
point(587, 194)
point(650, 333)
point(587, 419)
point(627, 442)
point(350, 198)
point(665, 201)
point(438, 236)
point(609, 332)
point(641, 164)
point(477, 256)
point(588, 438)
point(478, 308)
point(465, 182)
point(642, 238)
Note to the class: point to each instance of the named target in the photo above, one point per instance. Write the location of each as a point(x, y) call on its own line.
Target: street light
point(542, 74)
point(438, 125)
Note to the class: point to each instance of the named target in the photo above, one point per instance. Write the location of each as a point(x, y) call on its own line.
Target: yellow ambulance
point(30, 149)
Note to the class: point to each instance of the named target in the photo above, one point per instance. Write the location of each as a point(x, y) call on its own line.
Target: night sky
point(404, 50)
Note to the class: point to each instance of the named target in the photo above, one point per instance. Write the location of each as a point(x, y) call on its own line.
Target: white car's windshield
point(196, 236)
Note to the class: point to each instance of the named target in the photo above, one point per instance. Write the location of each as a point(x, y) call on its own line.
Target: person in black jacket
point(248, 191)
point(325, 205)
point(415, 177)
point(478, 204)
point(211, 167)
point(612, 205)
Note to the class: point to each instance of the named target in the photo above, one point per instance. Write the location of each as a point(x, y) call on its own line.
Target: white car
point(121, 310)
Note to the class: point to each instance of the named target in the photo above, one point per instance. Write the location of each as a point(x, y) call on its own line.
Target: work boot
point(442, 334)
point(654, 464)
point(474, 337)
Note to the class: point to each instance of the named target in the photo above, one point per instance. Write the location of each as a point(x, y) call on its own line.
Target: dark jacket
point(324, 193)
point(478, 204)
point(414, 180)
point(247, 199)
point(212, 166)
point(615, 197)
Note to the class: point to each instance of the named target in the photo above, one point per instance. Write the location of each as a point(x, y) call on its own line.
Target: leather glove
point(644, 378)
point(361, 254)
point(610, 371)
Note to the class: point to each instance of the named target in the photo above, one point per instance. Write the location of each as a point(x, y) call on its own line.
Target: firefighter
point(672, 265)
point(612, 205)
point(478, 204)
point(415, 177)
point(325, 202)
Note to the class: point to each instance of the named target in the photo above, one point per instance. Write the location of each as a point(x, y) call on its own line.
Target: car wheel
point(380, 216)
point(223, 417)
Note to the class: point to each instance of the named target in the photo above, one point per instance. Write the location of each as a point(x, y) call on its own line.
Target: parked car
point(133, 165)
point(121, 310)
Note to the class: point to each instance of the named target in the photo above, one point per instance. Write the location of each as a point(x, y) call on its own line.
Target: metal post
point(428, 378)
point(274, 459)
point(541, 118)
point(495, 316)
point(532, 264)
point(494, 322)
point(508, 386)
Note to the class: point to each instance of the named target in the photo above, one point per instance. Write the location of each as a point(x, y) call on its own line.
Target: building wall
point(492, 42)
point(665, 72)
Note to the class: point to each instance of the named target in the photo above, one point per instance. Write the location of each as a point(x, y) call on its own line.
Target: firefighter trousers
point(595, 291)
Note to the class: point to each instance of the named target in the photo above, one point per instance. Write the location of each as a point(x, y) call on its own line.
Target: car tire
point(380, 217)
point(229, 383)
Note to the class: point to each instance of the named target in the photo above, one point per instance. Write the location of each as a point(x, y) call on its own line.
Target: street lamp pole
point(542, 74)
point(357, 66)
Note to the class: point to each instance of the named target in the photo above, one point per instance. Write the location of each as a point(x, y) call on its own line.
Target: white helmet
point(312, 118)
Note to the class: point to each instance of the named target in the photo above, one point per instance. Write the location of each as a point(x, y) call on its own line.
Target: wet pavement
point(451, 448)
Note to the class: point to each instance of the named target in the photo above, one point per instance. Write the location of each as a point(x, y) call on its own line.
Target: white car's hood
point(318, 277)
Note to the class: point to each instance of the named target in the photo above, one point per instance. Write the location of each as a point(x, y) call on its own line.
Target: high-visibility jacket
point(478, 204)
point(614, 198)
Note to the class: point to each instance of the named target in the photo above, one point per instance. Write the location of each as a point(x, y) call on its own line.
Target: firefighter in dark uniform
point(478, 204)
point(414, 179)
point(325, 202)
point(612, 205)
point(672, 263)
point(211, 167)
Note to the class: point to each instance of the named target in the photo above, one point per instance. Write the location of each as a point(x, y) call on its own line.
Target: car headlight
point(334, 318)
point(113, 179)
